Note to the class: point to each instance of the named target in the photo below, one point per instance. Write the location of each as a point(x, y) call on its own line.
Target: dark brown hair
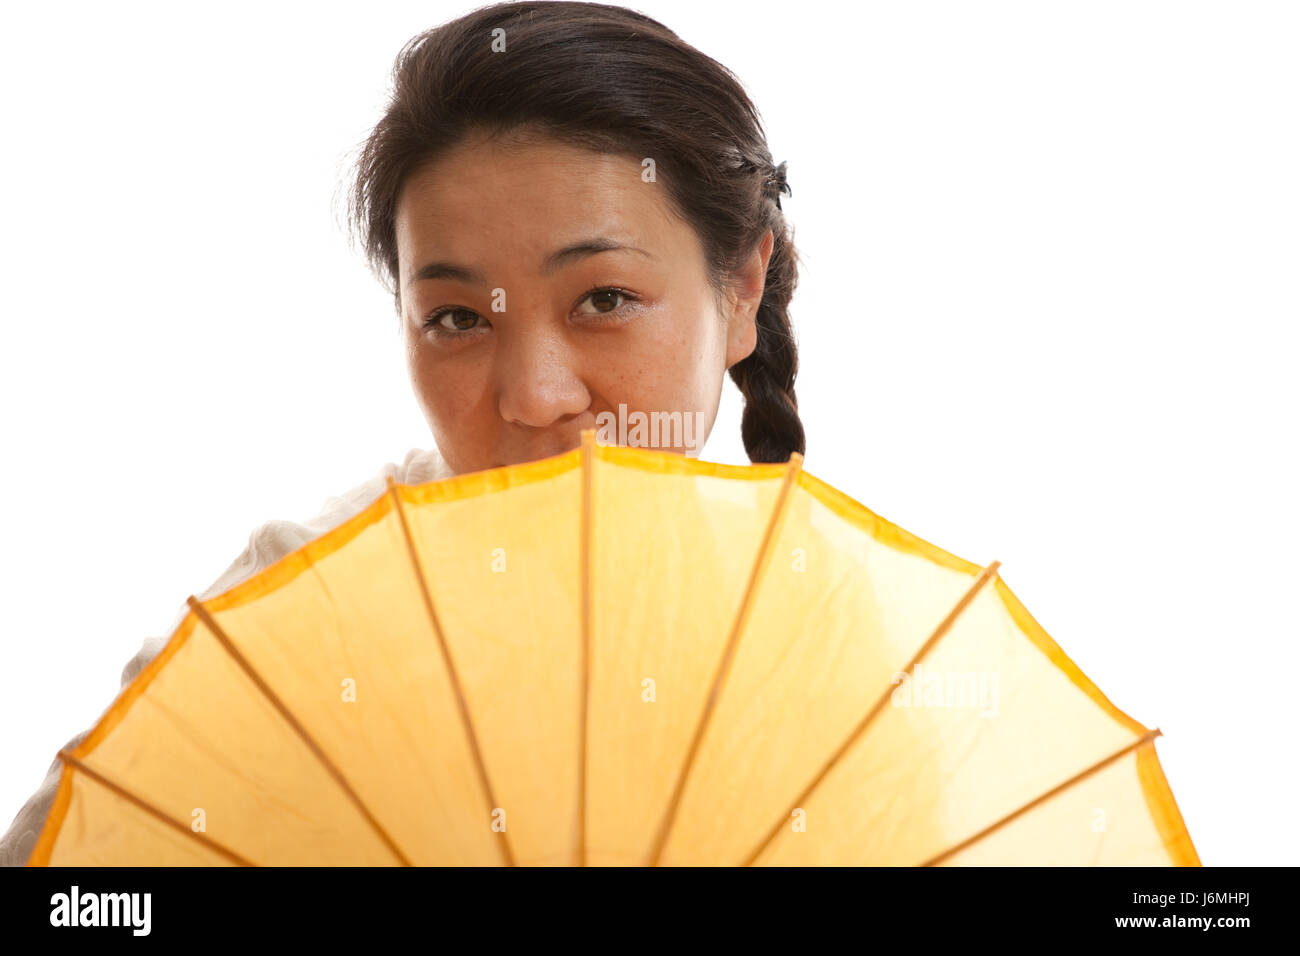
point(611, 79)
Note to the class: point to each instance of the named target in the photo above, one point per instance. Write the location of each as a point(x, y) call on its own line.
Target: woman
point(579, 220)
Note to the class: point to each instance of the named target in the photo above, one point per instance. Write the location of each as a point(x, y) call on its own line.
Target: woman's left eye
point(601, 299)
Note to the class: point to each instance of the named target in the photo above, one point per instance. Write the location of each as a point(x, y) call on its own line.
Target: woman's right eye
point(462, 320)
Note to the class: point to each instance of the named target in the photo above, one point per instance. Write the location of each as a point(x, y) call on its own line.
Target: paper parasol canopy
point(615, 656)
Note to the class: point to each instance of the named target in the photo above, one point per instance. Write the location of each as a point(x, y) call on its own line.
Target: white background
point(1048, 315)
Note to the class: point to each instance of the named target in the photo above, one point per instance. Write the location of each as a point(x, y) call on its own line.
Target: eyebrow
point(570, 253)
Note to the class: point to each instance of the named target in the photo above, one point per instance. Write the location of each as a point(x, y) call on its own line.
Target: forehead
point(489, 198)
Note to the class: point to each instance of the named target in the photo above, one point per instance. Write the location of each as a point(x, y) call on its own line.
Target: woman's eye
point(462, 320)
point(606, 300)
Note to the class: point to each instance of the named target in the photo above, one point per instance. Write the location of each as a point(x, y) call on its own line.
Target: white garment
point(266, 545)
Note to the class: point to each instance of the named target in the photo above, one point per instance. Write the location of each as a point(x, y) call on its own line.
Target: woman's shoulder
point(274, 539)
point(419, 465)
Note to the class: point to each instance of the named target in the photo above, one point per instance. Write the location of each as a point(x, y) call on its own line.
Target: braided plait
point(770, 427)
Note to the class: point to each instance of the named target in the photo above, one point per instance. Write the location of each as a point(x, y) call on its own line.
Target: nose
point(539, 385)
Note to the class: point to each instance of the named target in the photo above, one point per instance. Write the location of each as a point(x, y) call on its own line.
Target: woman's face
point(520, 332)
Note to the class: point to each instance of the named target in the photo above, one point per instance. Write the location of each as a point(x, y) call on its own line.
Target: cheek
point(678, 366)
point(445, 390)
point(672, 363)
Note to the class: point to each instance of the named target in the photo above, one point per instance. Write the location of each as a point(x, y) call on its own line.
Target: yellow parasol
point(615, 656)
